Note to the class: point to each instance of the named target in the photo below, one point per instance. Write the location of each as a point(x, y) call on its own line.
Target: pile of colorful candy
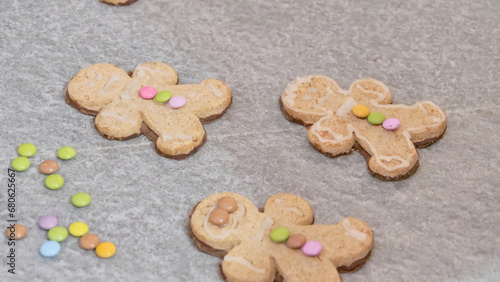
point(149, 92)
point(57, 234)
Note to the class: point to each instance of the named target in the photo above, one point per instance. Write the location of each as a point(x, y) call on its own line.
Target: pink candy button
point(46, 222)
point(391, 124)
point(312, 248)
point(147, 92)
point(177, 102)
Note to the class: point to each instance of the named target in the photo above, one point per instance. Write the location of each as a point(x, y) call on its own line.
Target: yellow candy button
point(360, 111)
point(105, 250)
point(78, 229)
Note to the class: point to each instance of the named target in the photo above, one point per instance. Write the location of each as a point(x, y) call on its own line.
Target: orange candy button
point(18, 231)
point(296, 241)
point(89, 241)
point(227, 203)
point(48, 167)
point(219, 217)
point(105, 250)
point(361, 111)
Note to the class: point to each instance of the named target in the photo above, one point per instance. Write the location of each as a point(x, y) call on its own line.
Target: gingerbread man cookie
point(119, 2)
point(364, 118)
point(279, 242)
point(148, 101)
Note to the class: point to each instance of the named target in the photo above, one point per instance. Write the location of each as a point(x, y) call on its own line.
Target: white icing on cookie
point(215, 90)
point(289, 93)
point(132, 89)
point(266, 224)
point(224, 233)
point(380, 95)
point(306, 97)
point(244, 262)
point(312, 90)
point(99, 76)
point(320, 101)
point(178, 136)
point(91, 84)
point(351, 232)
point(346, 107)
point(143, 70)
point(292, 209)
point(191, 95)
point(112, 80)
point(111, 114)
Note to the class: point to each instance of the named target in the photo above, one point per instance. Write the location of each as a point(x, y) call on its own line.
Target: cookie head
point(96, 86)
point(223, 219)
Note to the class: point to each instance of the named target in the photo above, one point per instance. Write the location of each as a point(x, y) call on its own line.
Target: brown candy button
point(18, 231)
point(89, 241)
point(219, 217)
point(296, 241)
point(227, 203)
point(48, 167)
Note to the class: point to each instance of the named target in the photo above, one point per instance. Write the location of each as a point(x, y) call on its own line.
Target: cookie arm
point(289, 208)
point(207, 100)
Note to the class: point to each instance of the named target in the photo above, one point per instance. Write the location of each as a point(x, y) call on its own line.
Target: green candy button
point(279, 234)
point(54, 181)
point(66, 153)
point(162, 97)
point(20, 163)
point(58, 234)
point(81, 200)
point(26, 150)
point(376, 118)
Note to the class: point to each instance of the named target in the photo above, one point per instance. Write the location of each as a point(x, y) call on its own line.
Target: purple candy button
point(177, 102)
point(147, 92)
point(391, 124)
point(311, 248)
point(46, 222)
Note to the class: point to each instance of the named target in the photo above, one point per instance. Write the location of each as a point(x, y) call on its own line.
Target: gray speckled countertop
point(441, 224)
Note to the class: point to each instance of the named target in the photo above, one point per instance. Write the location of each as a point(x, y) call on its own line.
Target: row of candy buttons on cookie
point(149, 92)
point(375, 118)
point(295, 241)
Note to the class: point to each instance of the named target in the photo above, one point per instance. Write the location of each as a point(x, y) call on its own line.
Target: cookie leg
point(311, 269)
point(118, 121)
point(176, 133)
point(247, 264)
